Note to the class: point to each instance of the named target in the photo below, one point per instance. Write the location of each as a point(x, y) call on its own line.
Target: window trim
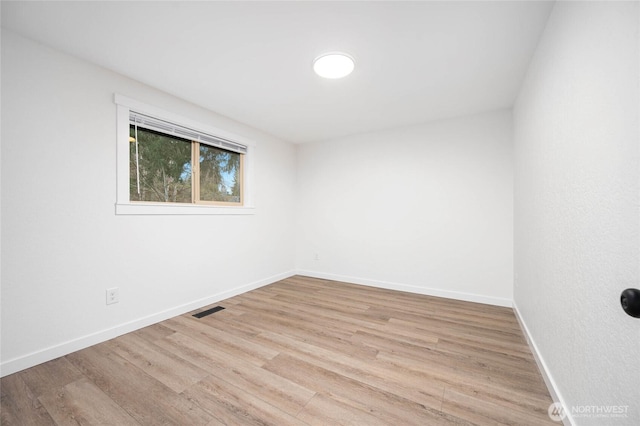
point(124, 205)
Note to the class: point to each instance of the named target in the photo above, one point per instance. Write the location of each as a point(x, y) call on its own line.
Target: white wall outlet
point(317, 257)
point(112, 296)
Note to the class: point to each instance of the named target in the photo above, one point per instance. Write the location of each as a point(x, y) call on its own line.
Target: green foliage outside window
point(219, 175)
point(161, 170)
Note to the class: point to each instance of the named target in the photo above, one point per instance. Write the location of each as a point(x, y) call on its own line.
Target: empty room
point(320, 213)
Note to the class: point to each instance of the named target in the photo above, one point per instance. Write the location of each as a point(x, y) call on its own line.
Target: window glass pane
point(159, 167)
point(219, 175)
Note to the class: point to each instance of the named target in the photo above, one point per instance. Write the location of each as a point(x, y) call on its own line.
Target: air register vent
point(208, 312)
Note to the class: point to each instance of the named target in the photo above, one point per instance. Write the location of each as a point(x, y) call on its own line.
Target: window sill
point(180, 209)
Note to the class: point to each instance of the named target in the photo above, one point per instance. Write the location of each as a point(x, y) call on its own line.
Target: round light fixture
point(333, 65)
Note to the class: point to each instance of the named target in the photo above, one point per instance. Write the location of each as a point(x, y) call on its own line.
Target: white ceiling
point(251, 61)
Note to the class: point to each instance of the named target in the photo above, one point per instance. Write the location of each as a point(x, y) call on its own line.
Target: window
point(165, 168)
point(177, 168)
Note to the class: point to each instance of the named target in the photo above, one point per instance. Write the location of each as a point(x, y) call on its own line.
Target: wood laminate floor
point(302, 351)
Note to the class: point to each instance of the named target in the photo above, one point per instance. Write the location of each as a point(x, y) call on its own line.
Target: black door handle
point(630, 301)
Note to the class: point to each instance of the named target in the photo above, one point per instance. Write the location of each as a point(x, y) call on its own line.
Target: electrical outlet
point(317, 257)
point(112, 296)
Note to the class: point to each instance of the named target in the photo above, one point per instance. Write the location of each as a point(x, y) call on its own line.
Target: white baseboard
point(542, 366)
point(469, 297)
point(38, 357)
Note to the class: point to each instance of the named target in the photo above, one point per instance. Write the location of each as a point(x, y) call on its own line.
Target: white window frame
point(124, 205)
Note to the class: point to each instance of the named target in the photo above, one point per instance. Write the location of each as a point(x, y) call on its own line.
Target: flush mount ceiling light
point(333, 65)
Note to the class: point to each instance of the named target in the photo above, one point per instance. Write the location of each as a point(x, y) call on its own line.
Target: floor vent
point(208, 312)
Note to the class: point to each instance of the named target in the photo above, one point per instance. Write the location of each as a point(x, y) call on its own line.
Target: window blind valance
point(166, 127)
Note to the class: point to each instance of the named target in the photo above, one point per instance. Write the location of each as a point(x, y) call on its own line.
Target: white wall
point(426, 209)
point(576, 205)
point(62, 244)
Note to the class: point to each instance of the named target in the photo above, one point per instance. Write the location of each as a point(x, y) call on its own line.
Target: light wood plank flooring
point(301, 351)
